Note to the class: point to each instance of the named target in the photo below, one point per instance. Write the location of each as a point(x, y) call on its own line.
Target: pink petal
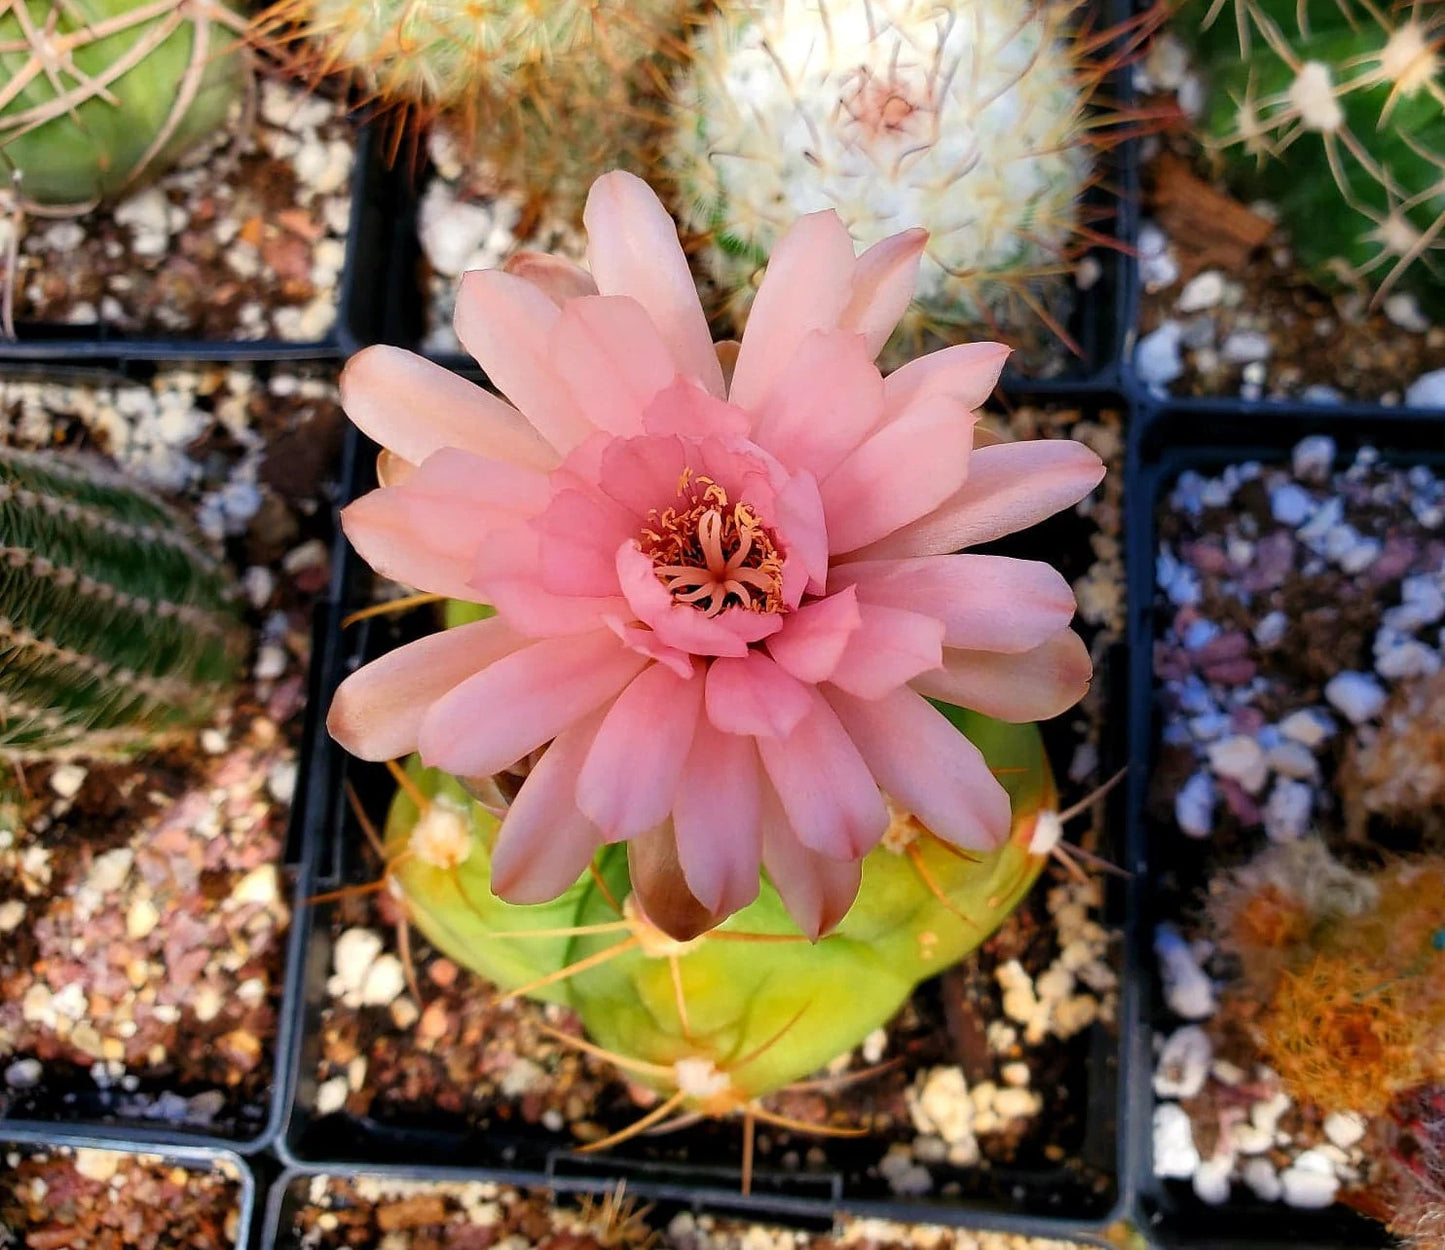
point(556, 277)
point(506, 573)
point(903, 472)
point(891, 647)
point(813, 638)
point(752, 695)
point(579, 534)
point(1035, 685)
point(826, 789)
point(506, 323)
point(377, 712)
point(816, 890)
point(545, 843)
point(986, 603)
point(632, 249)
point(413, 408)
point(808, 283)
point(717, 818)
point(425, 532)
point(1010, 487)
point(659, 886)
point(685, 408)
point(921, 760)
point(646, 642)
point(630, 778)
point(966, 373)
point(823, 404)
point(608, 354)
point(798, 518)
point(884, 280)
point(681, 625)
point(641, 474)
point(519, 703)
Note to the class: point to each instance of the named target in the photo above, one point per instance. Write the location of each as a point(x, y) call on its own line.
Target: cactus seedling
point(968, 119)
point(1335, 111)
point(720, 1022)
point(97, 94)
point(116, 629)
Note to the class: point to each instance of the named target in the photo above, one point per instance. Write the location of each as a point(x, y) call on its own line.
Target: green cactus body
point(741, 1012)
point(136, 85)
point(548, 96)
point(116, 628)
point(965, 118)
point(1334, 110)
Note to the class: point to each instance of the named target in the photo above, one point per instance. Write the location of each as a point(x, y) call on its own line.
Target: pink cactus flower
point(724, 602)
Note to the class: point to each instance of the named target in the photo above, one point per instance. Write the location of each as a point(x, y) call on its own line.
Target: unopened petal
point(660, 886)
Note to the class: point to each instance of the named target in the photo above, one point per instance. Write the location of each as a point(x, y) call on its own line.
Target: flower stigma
point(712, 553)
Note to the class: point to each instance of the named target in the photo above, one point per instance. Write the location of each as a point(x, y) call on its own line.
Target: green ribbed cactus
point(1335, 111)
point(548, 96)
point(721, 1021)
point(967, 119)
point(97, 94)
point(116, 628)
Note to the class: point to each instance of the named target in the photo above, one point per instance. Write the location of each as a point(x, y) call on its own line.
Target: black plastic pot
point(61, 1109)
point(190, 1157)
point(1206, 437)
point(289, 1194)
point(361, 296)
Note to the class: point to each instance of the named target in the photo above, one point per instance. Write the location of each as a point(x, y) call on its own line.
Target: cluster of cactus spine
point(547, 96)
point(1335, 111)
point(96, 95)
point(1342, 975)
point(720, 1022)
point(970, 119)
point(117, 630)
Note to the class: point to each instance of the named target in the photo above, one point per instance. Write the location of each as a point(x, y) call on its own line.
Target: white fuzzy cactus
point(965, 117)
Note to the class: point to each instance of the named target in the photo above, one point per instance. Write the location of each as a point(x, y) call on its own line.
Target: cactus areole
point(96, 95)
point(753, 1005)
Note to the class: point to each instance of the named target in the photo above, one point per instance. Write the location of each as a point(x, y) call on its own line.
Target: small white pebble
point(1188, 991)
point(1260, 1176)
point(1427, 391)
point(1157, 358)
point(1287, 810)
point(1241, 759)
point(1183, 1063)
point(1309, 1183)
point(1290, 504)
point(1345, 1128)
point(23, 1074)
point(141, 919)
point(1203, 291)
point(1175, 1155)
point(67, 779)
point(1245, 346)
point(331, 1095)
point(385, 979)
point(1313, 457)
point(354, 953)
point(1308, 727)
point(1194, 805)
point(1016, 1074)
point(1357, 695)
point(1211, 1180)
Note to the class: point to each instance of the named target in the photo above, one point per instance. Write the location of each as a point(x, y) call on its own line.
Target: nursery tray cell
point(1192, 499)
point(455, 1078)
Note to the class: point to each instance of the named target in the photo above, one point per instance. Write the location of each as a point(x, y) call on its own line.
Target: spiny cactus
point(116, 628)
point(1342, 974)
point(721, 1021)
point(1335, 111)
point(548, 96)
point(97, 94)
point(966, 118)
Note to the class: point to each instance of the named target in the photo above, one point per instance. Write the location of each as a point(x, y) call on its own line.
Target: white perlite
point(1175, 1155)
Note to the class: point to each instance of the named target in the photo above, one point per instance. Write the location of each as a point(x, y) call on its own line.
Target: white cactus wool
point(963, 117)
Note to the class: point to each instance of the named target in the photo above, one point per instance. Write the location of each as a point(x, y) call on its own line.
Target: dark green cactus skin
point(1354, 196)
point(117, 628)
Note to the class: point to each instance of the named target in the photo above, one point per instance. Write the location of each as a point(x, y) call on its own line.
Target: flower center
point(713, 553)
